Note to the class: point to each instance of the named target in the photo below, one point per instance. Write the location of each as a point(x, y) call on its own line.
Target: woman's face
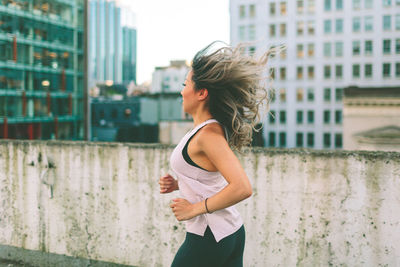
point(189, 95)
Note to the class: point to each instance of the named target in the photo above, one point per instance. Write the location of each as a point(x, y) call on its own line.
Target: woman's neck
point(202, 117)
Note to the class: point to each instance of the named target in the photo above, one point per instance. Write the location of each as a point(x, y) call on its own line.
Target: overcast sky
point(176, 29)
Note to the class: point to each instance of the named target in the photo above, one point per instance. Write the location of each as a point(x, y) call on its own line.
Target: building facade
point(112, 43)
point(330, 45)
point(171, 78)
point(371, 118)
point(42, 69)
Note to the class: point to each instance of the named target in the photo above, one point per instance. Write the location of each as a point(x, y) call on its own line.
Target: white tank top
point(195, 185)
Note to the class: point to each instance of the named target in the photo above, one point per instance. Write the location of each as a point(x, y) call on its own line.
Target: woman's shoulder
point(212, 132)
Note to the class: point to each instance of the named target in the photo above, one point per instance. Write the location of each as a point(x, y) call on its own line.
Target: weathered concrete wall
point(100, 201)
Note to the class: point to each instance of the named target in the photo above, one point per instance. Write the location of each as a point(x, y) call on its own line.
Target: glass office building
point(112, 43)
point(42, 69)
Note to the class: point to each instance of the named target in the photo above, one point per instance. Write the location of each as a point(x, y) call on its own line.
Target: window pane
point(327, 49)
point(339, 49)
point(338, 140)
point(327, 72)
point(356, 24)
point(310, 94)
point(300, 52)
point(282, 95)
point(339, 4)
point(387, 22)
point(339, 25)
point(310, 49)
point(338, 116)
point(368, 23)
point(368, 47)
point(282, 116)
point(252, 32)
point(311, 27)
point(327, 94)
point(299, 139)
point(356, 47)
point(368, 4)
point(252, 11)
point(300, 6)
point(272, 31)
point(272, 9)
point(310, 71)
point(338, 94)
point(386, 46)
point(299, 116)
point(242, 11)
point(386, 70)
point(356, 4)
point(299, 73)
point(327, 116)
point(272, 116)
point(327, 140)
point(327, 26)
point(310, 139)
point(282, 139)
point(339, 71)
point(282, 29)
point(271, 139)
point(310, 116)
point(282, 73)
point(356, 71)
point(368, 70)
point(283, 8)
point(327, 5)
point(299, 94)
point(397, 46)
point(397, 69)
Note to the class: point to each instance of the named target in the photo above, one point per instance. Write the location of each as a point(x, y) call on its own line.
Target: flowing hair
point(236, 84)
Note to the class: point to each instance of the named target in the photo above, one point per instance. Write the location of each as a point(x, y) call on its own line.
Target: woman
point(221, 92)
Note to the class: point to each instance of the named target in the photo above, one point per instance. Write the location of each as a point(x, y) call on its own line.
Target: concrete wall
point(100, 201)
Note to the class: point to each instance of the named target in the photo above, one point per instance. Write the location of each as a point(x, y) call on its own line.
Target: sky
point(175, 30)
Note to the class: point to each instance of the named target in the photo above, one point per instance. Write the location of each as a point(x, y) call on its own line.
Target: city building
point(42, 64)
point(112, 43)
point(330, 45)
point(171, 78)
point(371, 118)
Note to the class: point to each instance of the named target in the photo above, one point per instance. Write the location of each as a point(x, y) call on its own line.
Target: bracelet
point(205, 203)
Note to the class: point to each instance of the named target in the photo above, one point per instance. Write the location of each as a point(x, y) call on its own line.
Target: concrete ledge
point(41, 259)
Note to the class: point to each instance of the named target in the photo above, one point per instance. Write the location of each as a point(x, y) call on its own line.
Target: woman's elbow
point(246, 191)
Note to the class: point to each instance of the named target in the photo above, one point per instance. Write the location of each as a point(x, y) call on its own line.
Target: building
point(42, 66)
point(112, 43)
point(331, 44)
point(171, 78)
point(371, 118)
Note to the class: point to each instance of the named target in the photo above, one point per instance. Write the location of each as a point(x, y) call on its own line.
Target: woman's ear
point(203, 94)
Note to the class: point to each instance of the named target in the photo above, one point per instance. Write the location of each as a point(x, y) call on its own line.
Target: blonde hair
point(236, 87)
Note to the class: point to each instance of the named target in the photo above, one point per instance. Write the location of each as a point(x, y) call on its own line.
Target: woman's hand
point(183, 209)
point(168, 184)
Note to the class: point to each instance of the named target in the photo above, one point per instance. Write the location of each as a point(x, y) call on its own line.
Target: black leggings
point(204, 251)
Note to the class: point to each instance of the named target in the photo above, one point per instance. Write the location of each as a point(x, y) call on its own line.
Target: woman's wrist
point(199, 208)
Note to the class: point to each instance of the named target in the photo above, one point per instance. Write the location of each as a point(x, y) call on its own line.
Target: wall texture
point(100, 201)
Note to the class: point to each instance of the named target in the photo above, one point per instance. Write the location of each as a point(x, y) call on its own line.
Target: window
point(339, 4)
point(339, 49)
point(397, 2)
point(327, 26)
point(368, 23)
point(356, 24)
point(310, 49)
point(327, 94)
point(310, 116)
point(327, 116)
point(327, 5)
point(387, 3)
point(299, 117)
point(299, 94)
point(338, 140)
point(368, 47)
point(327, 140)
point(252, 50)
point(386, 70)
point(387, 25)
point(311, 27)
point(300, 6)
point(397, 22)
point(310, 71)
point(327, 72)
point(252, 11)
point(282, 116)
point(271, 139)
point(310, 139)
point(272, 73)
point(386, 46)
point(299, 72)
point(310, 94)
point(339, 94)
point(397, 69)
point(356, 71)
point(282, 54)
point(282, 29)
point(368, 4)
point(272, 9)
point(282, 139)
point(241, 33)
point(272, 116)
point(300, 27)
point(339, 25)
point(339, 71)
point(356, 48)
point(282, 73)
point(283, 8)
point(242, 11)
point(252, 32)
point(282, 95)
point(327, 49)
point(356, 4)
point(397, 46)
point(272, 31)
point(299, 139)
point(300, 52)
point(311, 6)
point(338, 116)
point(368, 70)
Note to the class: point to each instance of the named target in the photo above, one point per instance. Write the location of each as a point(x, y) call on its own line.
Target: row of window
point(272, 119)
point(356, 24)
point(280, 8)
point(300, 95)
point(310, 140)
point(328, 71)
